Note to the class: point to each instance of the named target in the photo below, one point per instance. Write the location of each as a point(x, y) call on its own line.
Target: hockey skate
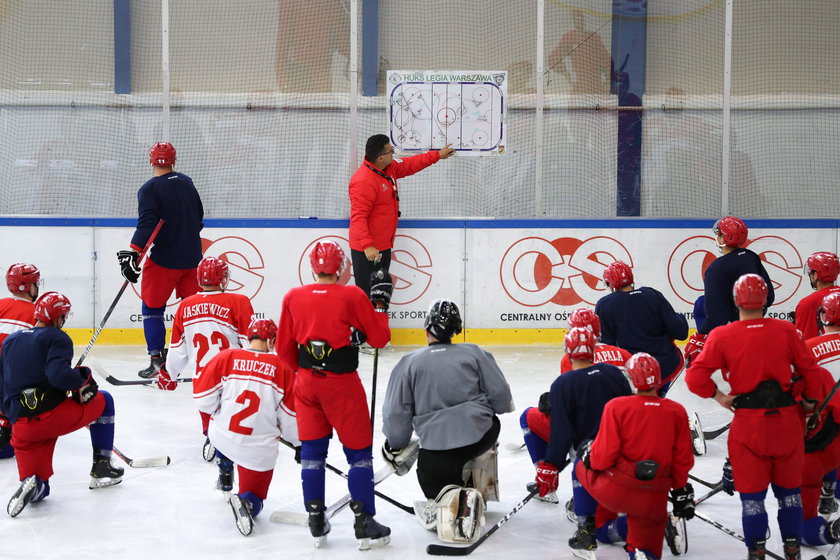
point(208, 451)
point(676, 535)
point(225, 480)
point(369, 532)
point(698, 440)
point(426, 512)
point(319, 525)
point(583, 543)
point(570, 510)
point(155, 363)
point(31, 490)
point(242, 513)
point(550, 498)
point(828, 504)
point(757, 552)
point(791, 549)
point(103, 473)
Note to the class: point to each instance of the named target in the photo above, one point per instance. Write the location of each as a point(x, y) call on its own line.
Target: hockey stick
point(119, 295)
point(817, 411)
point(703, 482)
point(732, 533)
point(443, 550)
point(373, 388)
point(709, 494)
point(510, 446)
point(715, 433)
point(114, 381)
point(161, 461)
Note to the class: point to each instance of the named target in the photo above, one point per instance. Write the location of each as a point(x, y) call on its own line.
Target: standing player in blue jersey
point(735, 261)
point(36, 376)
point(175, 253)
point(641, 320)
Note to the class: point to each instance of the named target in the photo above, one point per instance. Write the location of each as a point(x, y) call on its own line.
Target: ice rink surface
point(175, 512)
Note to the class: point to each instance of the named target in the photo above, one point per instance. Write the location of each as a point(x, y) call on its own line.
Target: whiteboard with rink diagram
point(429, 109)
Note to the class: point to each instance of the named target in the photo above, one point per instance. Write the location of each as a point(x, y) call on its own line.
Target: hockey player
point(205, 324)
point(536, 421)
point(16, 313)
point(641, 320)
point(643, 450)
point(577, 399)
point(176, 251)
point(735, 261)
point(450, 394)
point(313, 338)
point(249, 394)
point(821, 269)
point(760, 359)
point(36, 376)
point(826, 350)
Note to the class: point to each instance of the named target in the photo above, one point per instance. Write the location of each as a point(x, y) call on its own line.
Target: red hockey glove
point(89, 387)
point(164, 382)
point(694, 346)
point(547, 478)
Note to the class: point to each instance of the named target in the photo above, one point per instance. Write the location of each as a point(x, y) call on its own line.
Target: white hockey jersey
point(826, 349)
point(250, 397)
point(205, 324)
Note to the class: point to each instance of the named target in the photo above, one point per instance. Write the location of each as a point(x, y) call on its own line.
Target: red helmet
point(586, 318)
point(825, 264)
point(580, 343)
point(618, 274)
point(733, 230)
point(830, 309)
point(51, 307)
point(20, 277)
point(265, 329)
point(212, 272)
point(750, 292)
point(162, 154)
point(327, 258)
point(644, 372)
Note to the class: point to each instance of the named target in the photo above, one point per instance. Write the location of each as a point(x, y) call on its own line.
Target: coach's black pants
point(363, 268)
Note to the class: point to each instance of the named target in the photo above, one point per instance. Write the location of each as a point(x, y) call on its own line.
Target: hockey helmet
point(750, 292)
point(212, 272)
point(586, 318)
point(327, 257)
point(162, 154)
point(732, 229)
point(644, 371)
point(443, 320)
point(265, 329)
point(618, 274)
point(51, 307)
point(830, 309)
point(580, 343)
point(824, 264)
point(21, 276)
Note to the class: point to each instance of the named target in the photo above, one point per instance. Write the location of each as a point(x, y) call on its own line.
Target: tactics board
point(429, 109)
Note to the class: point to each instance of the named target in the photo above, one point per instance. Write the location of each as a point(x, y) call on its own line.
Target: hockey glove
point(89, 387)
point(547, 478)
point(129, 265)
point(727, 480)
point(683, 500)
point(544, 404)
point(5, 431)
point(394, 457)
point(357, 338)
point(584, 451)
point(381, 288)
point(694, 346)
point(164, 382)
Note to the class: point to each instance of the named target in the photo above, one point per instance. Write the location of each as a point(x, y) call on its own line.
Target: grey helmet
point(443, 319)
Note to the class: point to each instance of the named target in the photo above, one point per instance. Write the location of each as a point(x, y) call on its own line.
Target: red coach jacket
point(375, 203)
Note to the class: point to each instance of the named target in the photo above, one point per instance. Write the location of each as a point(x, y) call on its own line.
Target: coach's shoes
point(155, 363)
point(32, 489)
point(369, 532)
point(103, 473)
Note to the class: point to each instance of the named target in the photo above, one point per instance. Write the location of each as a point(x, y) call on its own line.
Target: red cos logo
point(690, 259)
point(565, 271)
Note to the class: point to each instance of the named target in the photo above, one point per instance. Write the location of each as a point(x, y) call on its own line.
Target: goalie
point(450, 394)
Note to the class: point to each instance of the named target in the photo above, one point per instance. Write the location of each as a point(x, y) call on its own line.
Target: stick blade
point(443, 550)
point(289, 517)
point(162, 461)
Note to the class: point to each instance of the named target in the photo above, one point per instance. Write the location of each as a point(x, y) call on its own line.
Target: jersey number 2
point(251, 400)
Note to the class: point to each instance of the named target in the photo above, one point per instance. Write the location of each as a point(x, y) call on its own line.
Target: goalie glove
point(547, 478)
point(5, 431)
point(381, 288)
point(694, 346)
point(164, 382)
point(89, 387)
point(129, 265)
point(683, 501)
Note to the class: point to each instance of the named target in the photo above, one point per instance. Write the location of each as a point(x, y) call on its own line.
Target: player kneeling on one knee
point(451, 395)
point(36, 372)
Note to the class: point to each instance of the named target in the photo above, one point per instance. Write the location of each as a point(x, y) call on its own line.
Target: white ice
point(175, 511)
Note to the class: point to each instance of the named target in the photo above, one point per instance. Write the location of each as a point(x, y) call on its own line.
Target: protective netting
point(263, 120)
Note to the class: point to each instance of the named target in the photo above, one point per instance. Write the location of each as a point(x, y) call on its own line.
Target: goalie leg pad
point(483, 473)
point(460, 514)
